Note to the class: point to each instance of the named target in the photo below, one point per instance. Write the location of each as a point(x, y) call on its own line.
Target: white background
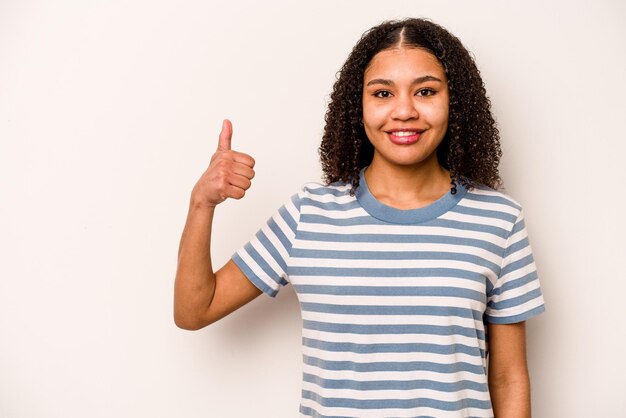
point(109, 112)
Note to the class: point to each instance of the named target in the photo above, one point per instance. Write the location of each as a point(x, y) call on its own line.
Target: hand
point(229, 173)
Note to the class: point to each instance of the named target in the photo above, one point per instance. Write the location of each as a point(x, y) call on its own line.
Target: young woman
point(414, 275)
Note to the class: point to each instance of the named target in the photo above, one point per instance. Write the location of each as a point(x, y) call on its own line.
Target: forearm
point(195, 279)
point(509, 382)
point(511, 399)
point(200, 297)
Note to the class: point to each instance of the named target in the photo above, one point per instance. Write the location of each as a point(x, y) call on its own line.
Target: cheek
point(444, 117)
point(373, 117)
point(438, 115)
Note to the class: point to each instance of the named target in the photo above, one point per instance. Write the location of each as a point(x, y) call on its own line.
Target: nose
point(405, 108)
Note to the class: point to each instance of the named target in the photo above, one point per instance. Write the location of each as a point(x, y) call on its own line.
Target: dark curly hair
point(470, 149)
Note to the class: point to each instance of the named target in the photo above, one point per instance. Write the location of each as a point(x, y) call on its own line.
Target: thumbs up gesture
point(229, 173)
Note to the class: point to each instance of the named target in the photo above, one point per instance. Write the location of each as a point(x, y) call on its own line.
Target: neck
point(407, 187)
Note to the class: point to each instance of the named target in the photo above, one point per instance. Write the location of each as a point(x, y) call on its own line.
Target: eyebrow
point(418, 80)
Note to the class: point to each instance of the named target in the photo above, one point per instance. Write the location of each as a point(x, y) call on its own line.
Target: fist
point(229, 174)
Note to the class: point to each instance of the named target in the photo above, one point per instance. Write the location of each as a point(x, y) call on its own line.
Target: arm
point(202, 296)
point(509, 383)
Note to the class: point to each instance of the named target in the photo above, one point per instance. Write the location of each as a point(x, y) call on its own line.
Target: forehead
point(397, 60)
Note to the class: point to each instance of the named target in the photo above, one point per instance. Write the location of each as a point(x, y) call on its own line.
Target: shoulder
point(324, 199)
point(333, 189)
point(334, 192)
point(493, 208)
point(486, 198)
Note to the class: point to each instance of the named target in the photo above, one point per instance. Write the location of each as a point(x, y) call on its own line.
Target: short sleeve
point(516, 295)
point(264, 259)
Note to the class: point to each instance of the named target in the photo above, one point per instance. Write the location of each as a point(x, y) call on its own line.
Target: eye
point(382, 94)
point(425, 92)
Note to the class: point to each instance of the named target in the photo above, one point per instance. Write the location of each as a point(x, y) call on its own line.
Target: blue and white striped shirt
point(394, 302)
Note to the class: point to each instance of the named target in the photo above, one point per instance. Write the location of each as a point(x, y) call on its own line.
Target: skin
point(202, 296)
point(509, 382)
point(404, 89)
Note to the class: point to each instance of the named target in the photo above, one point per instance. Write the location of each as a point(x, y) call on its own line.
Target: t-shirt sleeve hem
point(254, 279)
point(515, 318)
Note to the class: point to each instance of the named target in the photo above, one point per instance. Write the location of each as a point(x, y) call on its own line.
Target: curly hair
point(470, 149)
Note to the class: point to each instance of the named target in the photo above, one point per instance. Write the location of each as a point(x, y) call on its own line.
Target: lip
point(399, 136)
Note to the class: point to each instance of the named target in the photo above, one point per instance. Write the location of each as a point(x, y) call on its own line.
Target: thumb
point(225, 136)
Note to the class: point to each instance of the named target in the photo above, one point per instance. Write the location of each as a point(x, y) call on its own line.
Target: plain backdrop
point(110, 111)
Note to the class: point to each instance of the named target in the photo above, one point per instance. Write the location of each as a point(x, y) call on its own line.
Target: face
point(405, 107)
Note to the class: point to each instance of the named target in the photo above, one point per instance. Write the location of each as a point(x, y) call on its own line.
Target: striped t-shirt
point(394, 302)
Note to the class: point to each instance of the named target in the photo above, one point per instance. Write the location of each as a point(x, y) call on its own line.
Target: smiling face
point(405, 107)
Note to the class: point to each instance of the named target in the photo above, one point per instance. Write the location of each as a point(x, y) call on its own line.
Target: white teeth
point(404, 133)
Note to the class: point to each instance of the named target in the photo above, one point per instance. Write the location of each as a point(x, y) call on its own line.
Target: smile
point(405, 133)
point(404, 137)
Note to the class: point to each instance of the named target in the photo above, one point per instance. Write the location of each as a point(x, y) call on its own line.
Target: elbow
point(186, 325)
point(192, 313)
point(188, 322)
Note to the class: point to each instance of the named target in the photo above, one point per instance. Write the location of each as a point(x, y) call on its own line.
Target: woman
point(414, 275)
